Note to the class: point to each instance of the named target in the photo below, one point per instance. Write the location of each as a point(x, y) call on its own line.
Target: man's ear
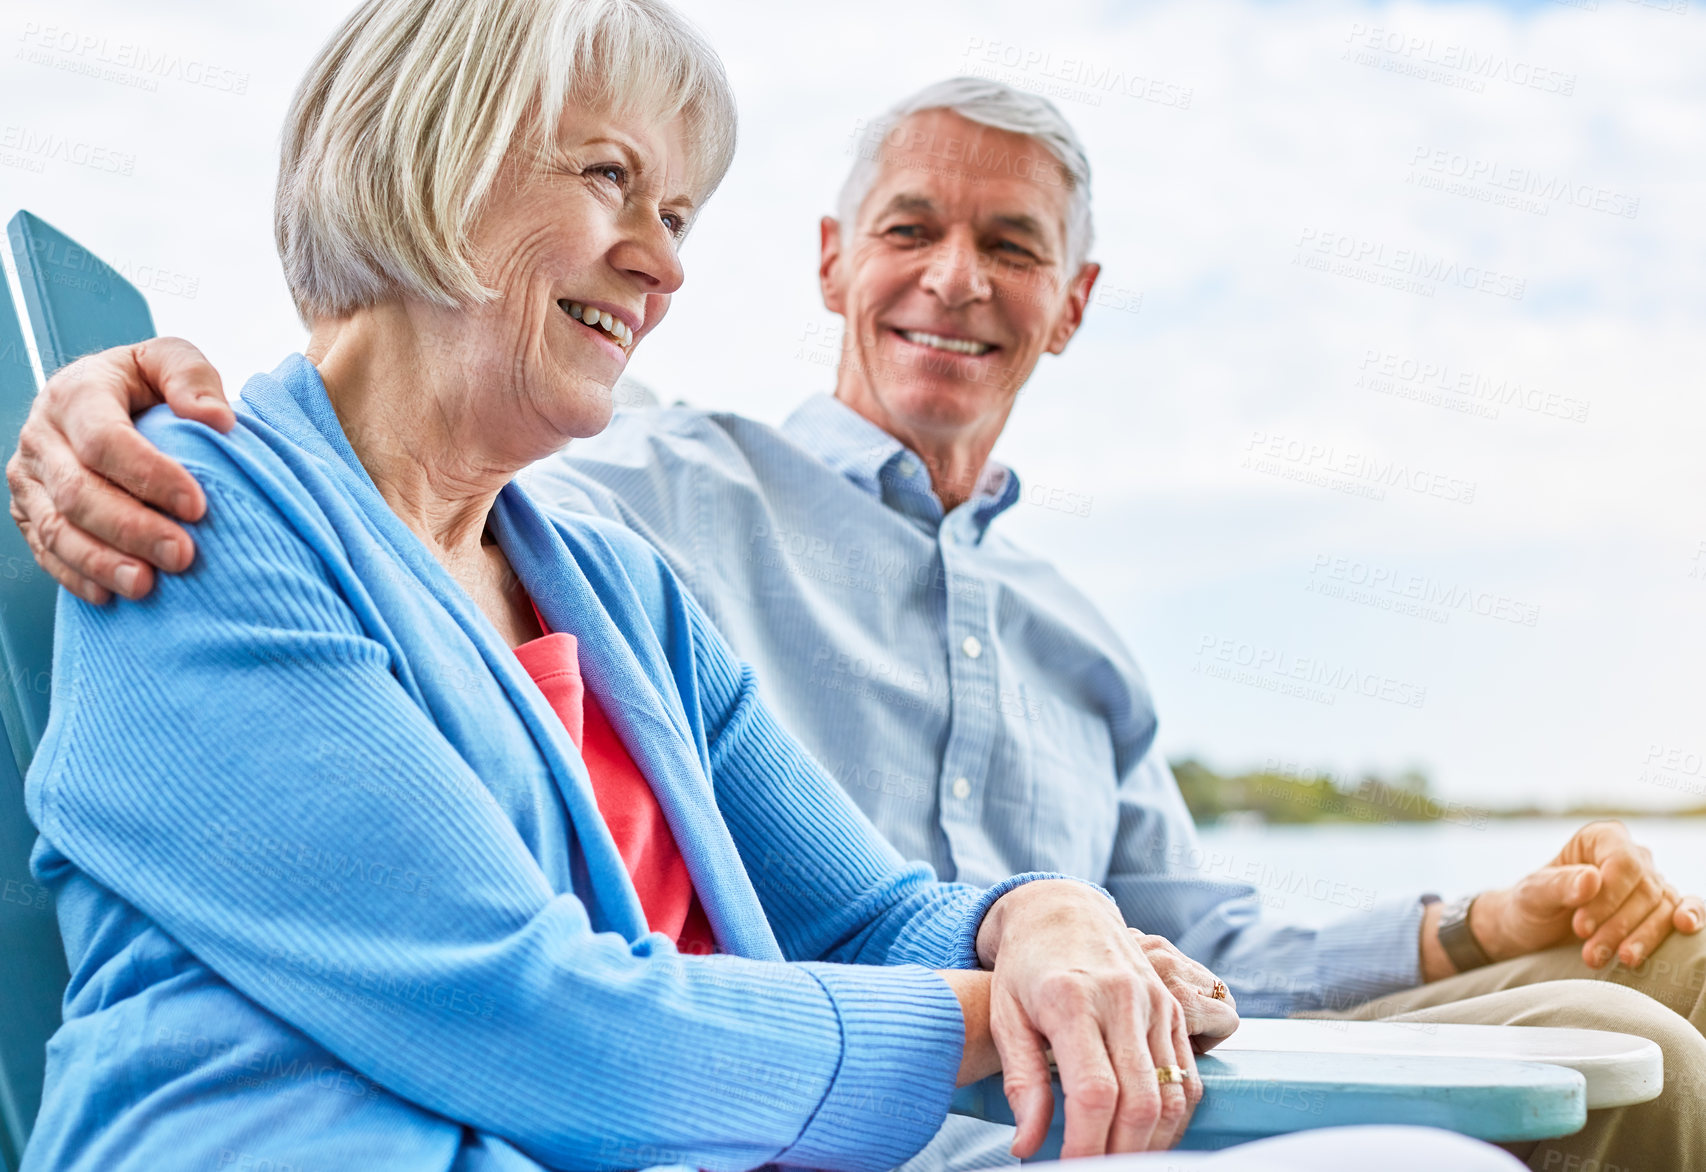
point(1077, 300)
point(828, 277)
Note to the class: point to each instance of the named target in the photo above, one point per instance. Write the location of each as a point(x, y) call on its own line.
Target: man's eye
point(1014, 251)
point(906, 231)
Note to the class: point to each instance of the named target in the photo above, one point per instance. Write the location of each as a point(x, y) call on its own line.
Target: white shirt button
point(972, 647)
point(962, 788)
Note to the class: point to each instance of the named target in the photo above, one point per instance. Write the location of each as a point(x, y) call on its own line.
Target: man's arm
point(1603, 888)
point(83, 477)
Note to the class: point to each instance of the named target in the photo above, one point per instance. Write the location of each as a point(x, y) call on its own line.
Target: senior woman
point(412, 830)
point(398, 832)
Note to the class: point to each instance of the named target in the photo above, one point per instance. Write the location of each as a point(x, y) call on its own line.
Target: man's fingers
point(103, 439)
point(94, 561)
point(184, 378)
point(1620, 873)
point(91, 592)
point(1651, 932)
point(1608, 937)
point(87, 568)
point(1568, 886)
point(100, 510)
point(1690, 915)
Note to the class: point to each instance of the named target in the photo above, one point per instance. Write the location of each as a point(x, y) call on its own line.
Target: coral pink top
point(625, 797)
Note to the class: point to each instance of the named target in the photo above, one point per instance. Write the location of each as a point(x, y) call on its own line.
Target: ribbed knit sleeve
point(402, 923)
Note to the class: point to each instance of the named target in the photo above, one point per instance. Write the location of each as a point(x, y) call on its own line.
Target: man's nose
point(955, 275)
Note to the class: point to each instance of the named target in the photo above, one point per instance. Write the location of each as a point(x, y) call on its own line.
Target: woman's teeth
point(952, 345)
point(596, 317)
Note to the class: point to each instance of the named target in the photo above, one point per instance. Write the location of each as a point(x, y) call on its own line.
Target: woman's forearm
point(980, 1059)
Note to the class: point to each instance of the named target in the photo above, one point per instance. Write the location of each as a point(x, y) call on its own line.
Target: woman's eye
point(676, 225)
point(614, 172)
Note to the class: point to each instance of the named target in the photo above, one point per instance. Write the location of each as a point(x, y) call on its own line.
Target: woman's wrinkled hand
point(1069, 976)
point(1209, 1020)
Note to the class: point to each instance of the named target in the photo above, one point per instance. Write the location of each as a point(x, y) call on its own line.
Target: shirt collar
point(883, 467)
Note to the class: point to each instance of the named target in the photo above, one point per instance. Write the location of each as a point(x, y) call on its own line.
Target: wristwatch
point(1458, 941)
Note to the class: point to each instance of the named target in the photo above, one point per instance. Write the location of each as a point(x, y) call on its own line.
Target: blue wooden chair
point(77, 305)
point(1299, 1075)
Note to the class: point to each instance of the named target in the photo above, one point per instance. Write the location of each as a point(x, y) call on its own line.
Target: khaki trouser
point(1663, 999)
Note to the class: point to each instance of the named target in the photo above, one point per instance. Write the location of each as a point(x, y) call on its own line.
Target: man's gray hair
point(992, 104)
point(409, 111)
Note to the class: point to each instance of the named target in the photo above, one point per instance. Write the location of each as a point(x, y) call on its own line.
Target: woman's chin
point(584, 409)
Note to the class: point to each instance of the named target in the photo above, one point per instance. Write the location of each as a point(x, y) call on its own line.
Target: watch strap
point(1457, 940)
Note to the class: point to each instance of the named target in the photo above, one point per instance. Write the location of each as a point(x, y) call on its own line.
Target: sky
point(1383, 443)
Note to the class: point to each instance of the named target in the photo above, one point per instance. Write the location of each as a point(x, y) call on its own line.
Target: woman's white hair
point(992, 104)
point(409, 111)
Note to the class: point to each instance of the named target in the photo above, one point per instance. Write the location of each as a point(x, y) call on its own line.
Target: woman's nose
point(648, 251)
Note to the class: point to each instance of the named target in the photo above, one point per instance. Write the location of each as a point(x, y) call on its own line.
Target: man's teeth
point(597, 317)
point(953, 345)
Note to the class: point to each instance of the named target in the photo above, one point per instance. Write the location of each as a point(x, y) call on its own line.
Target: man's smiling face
point(955, 278)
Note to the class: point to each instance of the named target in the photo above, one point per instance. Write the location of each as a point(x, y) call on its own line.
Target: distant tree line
point(1287, 796)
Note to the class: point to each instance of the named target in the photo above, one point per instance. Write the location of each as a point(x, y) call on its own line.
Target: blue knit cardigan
point(336, 894)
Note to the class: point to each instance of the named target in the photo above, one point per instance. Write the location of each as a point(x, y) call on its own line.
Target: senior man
point(971, 700)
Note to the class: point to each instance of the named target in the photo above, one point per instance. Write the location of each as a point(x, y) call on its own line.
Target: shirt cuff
point(902, 1038)
point(1363, 957)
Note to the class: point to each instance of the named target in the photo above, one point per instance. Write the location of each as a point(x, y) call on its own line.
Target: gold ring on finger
point(1166, 1075)
point(1220, 992)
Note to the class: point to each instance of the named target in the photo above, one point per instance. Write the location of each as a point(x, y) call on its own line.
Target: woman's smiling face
point(581, 252)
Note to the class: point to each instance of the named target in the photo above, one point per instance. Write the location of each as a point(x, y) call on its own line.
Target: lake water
point(1314, 874)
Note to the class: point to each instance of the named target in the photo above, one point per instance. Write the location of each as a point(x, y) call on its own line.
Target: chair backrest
point(77, 304)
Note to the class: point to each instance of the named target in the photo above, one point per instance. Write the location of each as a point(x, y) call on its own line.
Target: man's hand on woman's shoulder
point(83, 479)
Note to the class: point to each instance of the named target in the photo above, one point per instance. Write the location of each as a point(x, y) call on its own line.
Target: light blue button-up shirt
point(973, 702)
